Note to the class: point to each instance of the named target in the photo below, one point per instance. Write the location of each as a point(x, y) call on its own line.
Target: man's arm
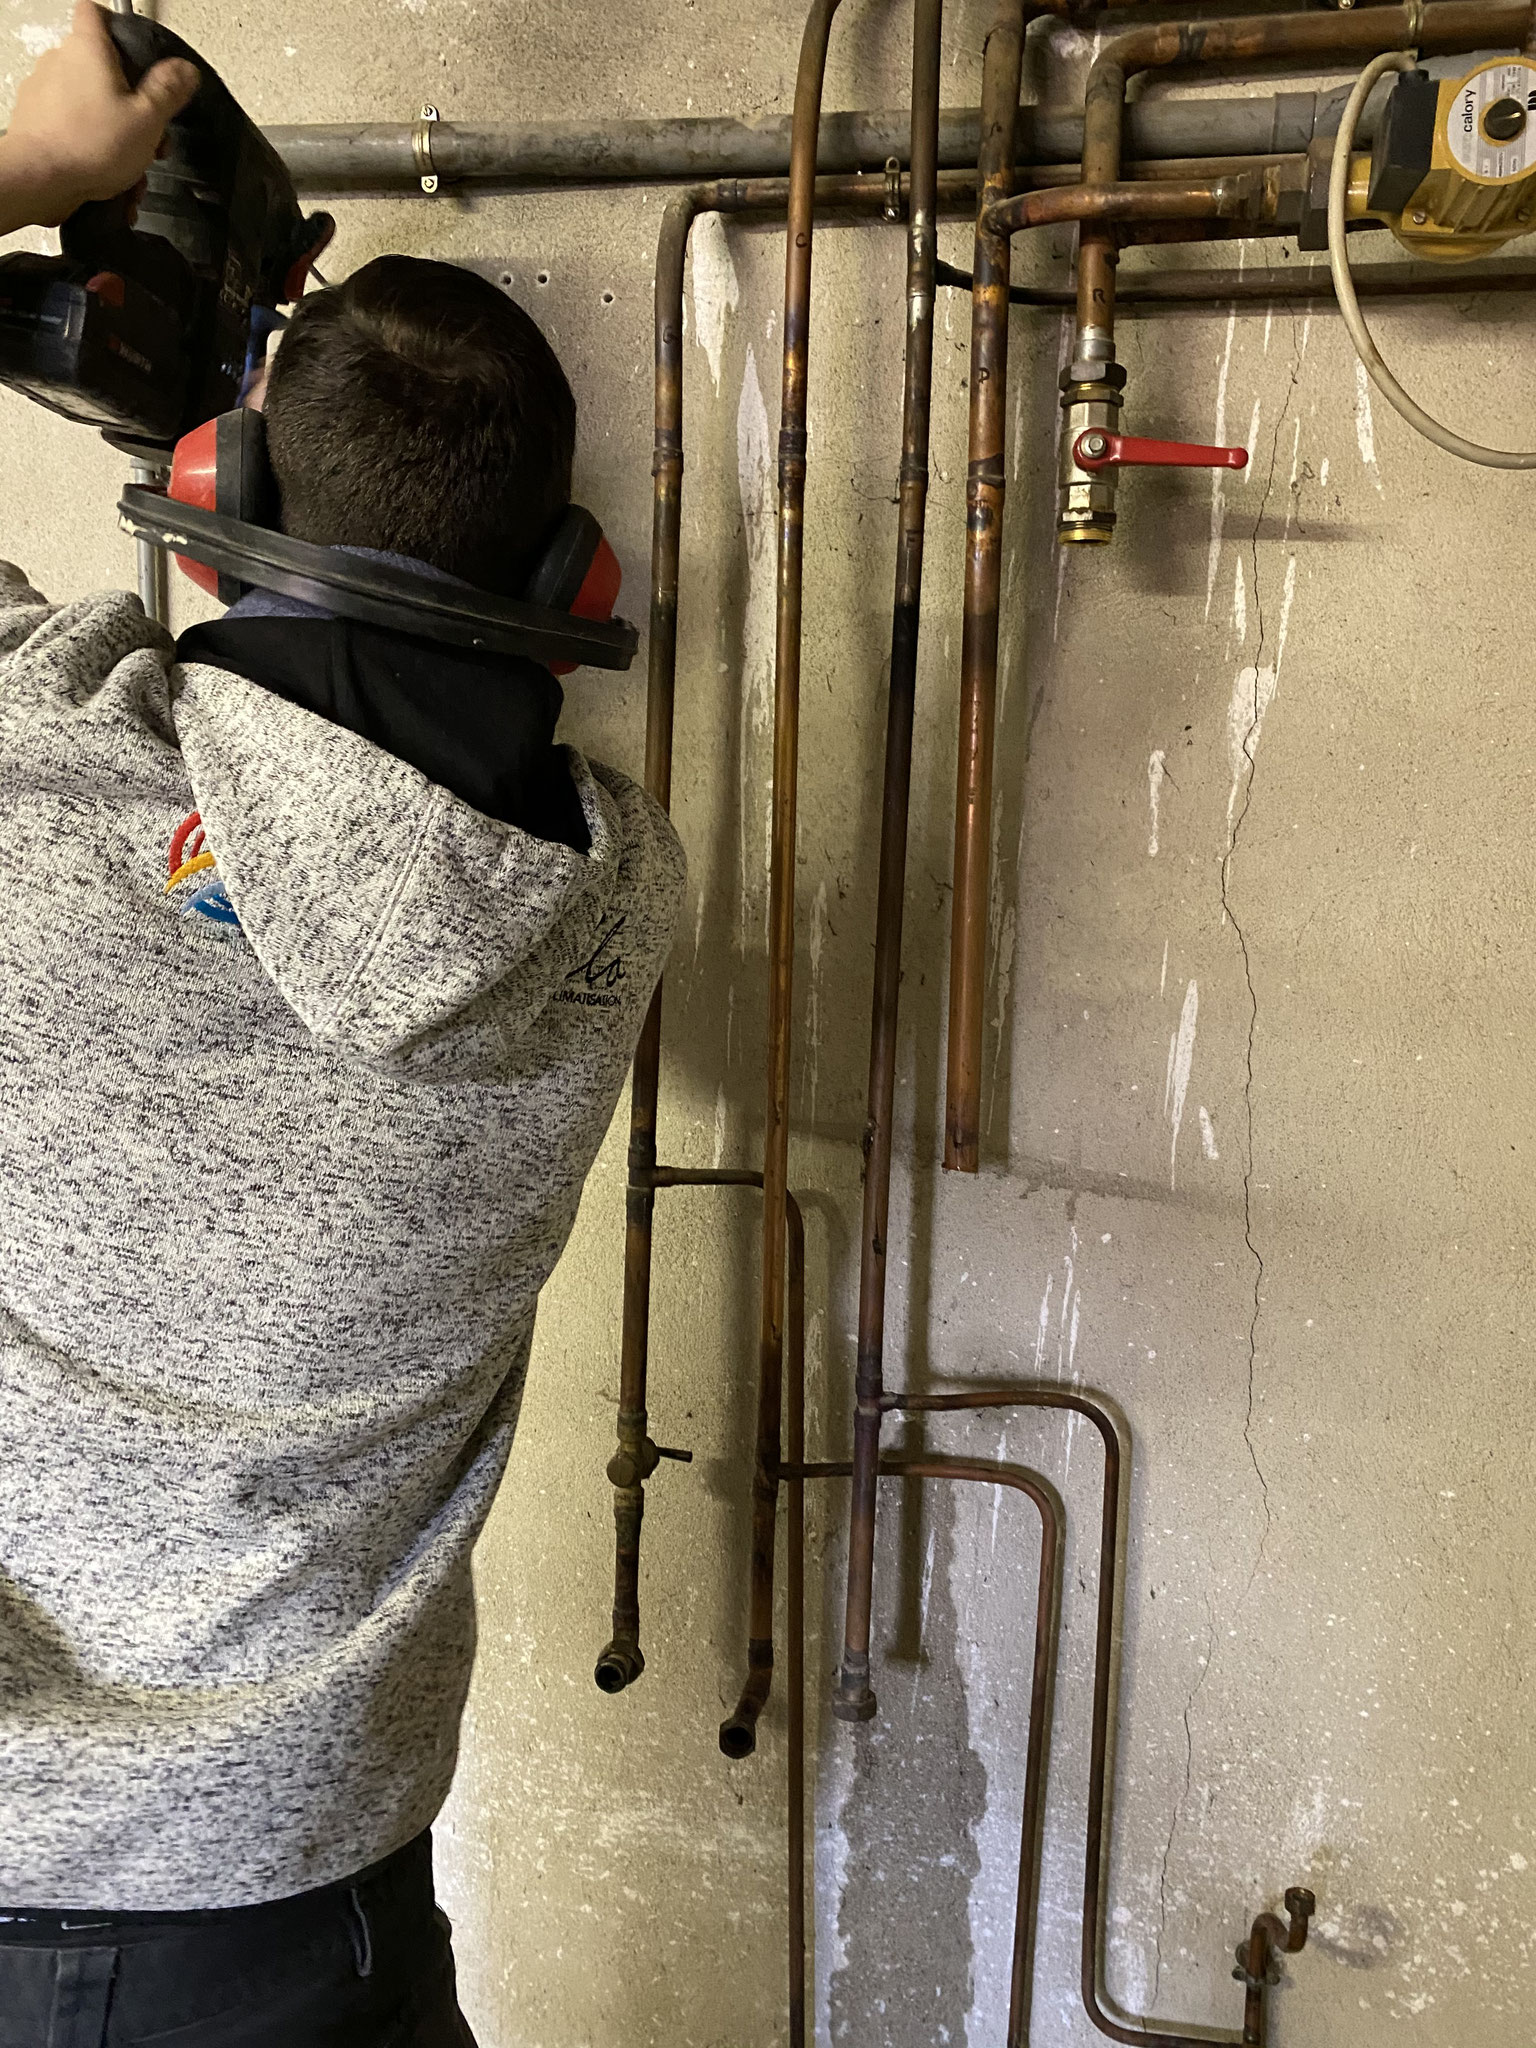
point(79, 131)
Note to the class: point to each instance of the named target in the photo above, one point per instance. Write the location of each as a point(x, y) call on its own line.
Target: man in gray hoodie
point(321, 965)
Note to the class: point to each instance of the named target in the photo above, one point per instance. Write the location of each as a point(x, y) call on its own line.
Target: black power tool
point(151, 326)
point(146, 328)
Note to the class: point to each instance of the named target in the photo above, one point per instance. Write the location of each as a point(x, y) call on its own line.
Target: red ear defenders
point(220, 520)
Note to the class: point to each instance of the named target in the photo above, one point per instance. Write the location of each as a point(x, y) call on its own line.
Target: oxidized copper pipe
point(1270, 1936)
point(985, 483)
point(786, 748)
point(1444, 26)
point(1243, 195)
point(853, 1699)
point(1137, 2033)
point(622, 1662)
point(738, 1733)
point(795, 1544)
point(636, 1456)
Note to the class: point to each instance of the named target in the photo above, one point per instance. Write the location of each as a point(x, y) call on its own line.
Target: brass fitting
point(1091, 397)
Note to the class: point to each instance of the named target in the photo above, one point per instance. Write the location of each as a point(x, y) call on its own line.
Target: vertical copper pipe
point(795, 1443)
point(622, 1662)
point(853, 1699)
point(984, 491)
point(786, 750)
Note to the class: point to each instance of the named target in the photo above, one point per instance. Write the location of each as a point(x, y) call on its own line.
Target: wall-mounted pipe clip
point(421, 149)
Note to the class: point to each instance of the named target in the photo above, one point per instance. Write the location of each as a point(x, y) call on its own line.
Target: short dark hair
point(417, 409)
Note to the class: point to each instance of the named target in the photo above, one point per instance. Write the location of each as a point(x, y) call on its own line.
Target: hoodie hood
point(381, 904)
point(483, 725)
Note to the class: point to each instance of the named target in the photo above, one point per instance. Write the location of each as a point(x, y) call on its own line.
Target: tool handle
point(1097, 449)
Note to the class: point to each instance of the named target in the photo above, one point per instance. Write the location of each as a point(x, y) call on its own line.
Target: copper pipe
point(1138, 2033)
point(853, 1700)
point(1270, 1936)
point(985, 1472)
point(985, 485)
point(636, 1457)
point(622, 1662)
point(738, 1733)
point(1248, 195)
point(795, 1544)
point(786, 747)
point(1444, 26)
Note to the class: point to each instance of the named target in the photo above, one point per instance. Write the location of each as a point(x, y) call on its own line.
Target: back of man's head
point(417, 409)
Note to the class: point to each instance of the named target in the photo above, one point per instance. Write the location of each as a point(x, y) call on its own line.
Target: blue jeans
point(362, 1964)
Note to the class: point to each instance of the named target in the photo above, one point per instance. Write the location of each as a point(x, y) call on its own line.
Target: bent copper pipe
point(984, 492)
point(1447, 25)
point(786, 746)
point(1270, 1936)
point(853, 1700)
point(985, 1472)
point(1440, 28)
point(1135, 2032)
point(1242, 195)
point(636, 1457)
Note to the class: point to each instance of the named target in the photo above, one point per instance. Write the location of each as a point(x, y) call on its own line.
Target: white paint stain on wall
point(1005, 945)
point(1181, 1053)
point(717, 1160)
point(1157, 768)
point(37, 36)
point(1365, 425)
point(715, 289)
point(1240, 603)
point(1207, 1134)
point(1253, 691)
point(754, 476)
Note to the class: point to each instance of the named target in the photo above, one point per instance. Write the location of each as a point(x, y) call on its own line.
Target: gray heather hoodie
point(276, 1203)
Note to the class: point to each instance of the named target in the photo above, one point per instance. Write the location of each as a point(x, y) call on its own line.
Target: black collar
point(481, 725)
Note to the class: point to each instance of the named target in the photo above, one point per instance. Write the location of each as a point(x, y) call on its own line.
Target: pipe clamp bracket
point(421, 150)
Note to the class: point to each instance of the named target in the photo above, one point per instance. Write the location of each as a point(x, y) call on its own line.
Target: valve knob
point(1096, 449)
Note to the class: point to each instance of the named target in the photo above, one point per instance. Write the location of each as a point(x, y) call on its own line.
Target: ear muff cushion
point(222, 467)
point(194, 481)
point(562, 568)
point(599, 591)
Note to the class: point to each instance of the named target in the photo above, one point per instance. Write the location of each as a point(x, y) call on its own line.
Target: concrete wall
point(1259, 1130)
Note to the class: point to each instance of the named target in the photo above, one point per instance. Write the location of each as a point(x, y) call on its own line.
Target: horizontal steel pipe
point(545, 155)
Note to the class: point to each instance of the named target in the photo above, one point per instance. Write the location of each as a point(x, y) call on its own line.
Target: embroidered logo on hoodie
point(189, 857)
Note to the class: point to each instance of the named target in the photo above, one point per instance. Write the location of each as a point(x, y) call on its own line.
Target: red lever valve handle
point(1095, 449)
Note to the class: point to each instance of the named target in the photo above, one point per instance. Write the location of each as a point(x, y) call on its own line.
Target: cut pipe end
point(738, 1738)
point(619, 1666)
point(853, 1699)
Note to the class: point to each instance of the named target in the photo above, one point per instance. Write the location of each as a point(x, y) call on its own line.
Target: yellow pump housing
point(1472, 143)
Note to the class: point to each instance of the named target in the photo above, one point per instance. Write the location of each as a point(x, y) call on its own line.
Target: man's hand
point(79, 131)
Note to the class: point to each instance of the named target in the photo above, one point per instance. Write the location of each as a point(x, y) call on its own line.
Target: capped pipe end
point(619, 1666)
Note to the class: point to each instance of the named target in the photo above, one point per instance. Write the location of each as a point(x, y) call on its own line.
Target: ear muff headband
point(374, 592)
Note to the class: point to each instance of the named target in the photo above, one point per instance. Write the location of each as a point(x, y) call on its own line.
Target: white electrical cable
point(1349, 305)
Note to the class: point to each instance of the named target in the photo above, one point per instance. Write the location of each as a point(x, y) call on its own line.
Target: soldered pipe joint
point(852, 1700)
